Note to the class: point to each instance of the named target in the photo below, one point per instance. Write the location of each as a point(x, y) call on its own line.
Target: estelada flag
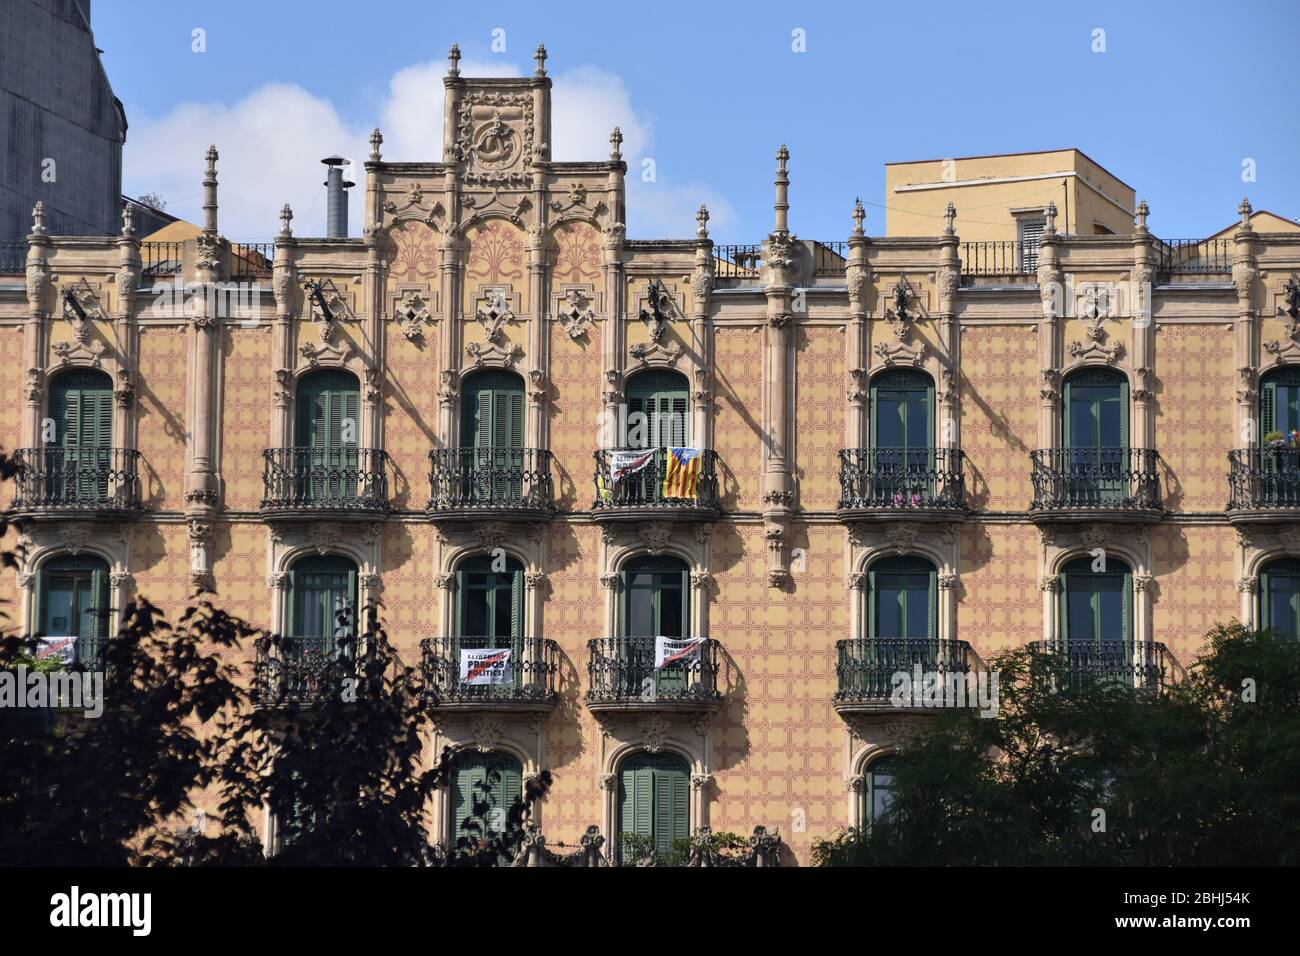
point(682, 476)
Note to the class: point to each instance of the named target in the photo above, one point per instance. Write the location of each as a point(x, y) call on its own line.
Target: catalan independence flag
point(682, 476)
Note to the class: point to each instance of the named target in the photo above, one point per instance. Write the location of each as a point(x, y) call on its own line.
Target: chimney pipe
point(336, 198)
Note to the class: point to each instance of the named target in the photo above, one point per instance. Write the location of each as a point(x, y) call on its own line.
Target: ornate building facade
point(859, 456)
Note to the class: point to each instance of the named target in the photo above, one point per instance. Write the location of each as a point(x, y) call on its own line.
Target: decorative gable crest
point(81, 307)
point(576, 314)
point(495, 139)
point(1096, 347)
point(575, 203)
point(659, 310)
point(412, 314)
point(494, 315)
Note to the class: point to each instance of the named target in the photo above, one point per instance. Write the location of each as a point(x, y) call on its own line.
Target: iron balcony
point(643, 493)
point(916, 484)
point(867, 672)
point(502, 482)
point(1096, 483)
point(1143, 665)
point(1263, 484)
point(622, 676)
point(301, 671)
point(533, 681)
point(85, 479)
point(317, 480)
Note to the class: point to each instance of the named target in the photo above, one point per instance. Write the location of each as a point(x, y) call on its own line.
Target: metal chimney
point(336, 196)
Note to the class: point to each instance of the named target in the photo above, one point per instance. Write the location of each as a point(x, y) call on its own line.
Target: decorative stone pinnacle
point(949, 219)
point(540, 58)
point(286, 217)
point(212, 157)
point(1143, 211)
point(128, 221)
point(782, 157)
point(702, 222)
point(616, 144)
point(453, 60)
point(376, 140)
point(1244, 210)
point(38, 219)
point(1049, 228)
point(859, 216)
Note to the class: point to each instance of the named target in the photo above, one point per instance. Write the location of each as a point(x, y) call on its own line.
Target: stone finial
point(616, 144)
point(782, 158)
point(128, 220)
point(782, 204)
point(859, 217)
point(376, 140)
point(949, 220)
point(453, 60)
point(540, 59)
point(1049, 227)
point(210, 192)
point(1244, 210)
point(286, 217)
point(1143, 211)
point(702, 222)
point(211, 157)
point(38, 219)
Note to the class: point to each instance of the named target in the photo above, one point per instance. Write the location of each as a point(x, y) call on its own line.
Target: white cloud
point(271, 143)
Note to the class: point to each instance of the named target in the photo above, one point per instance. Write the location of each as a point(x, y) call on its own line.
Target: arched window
point(902, 600)
point(492, 437)
point(483, 787)
point(1095, 437)
point(80, 459)
point(1279, 597)
point(323, 598)
point(1279, 401)
point(902, 412)
point(490, 603)
point(655, 601)
point(1096, 605)
point(328, 432)
point(658, 410)
point(878, 789)
point(653, 803)
point(72, 610)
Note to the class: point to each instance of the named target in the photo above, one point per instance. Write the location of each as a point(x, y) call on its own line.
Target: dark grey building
point(56, 105)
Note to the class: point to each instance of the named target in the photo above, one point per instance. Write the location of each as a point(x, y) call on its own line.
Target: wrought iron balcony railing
point(325, 479)
point(999, 258)
point(866, 667)
point(1139, 664)
point(490, 670)
point(85, 478)
point(160, 259)
point(1096, 479)
point(902, 479)
point(492, 480)
point(1194, 255)
point(738, 262)
point(301, 670)
point(657, 484)
point(13, 256)
point(1262, 479)
point(621, 672)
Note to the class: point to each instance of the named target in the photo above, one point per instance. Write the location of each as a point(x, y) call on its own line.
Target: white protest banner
point(673, 650)
point(485, 665)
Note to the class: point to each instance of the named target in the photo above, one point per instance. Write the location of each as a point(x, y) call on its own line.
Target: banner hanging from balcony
point(682, 476)
point(484, 665)
point(624, 463)
point(674, 650)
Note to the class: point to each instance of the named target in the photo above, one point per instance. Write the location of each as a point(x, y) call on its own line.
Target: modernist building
point(857, 455)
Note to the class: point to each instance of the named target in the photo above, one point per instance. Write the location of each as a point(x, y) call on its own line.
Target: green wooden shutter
point(325, 401)
point(1124, 437)
point(102, 614)
point(1267, 407)
point(492, 411)
point(1063, 608)
point(1126, 609)
point(932, 624)
point(470, 785)
point(664, 399)
point(671, 810)
point(1067, 432)
point(81, 405)
point(872, 618)
point(38, 598)
point(654, 799)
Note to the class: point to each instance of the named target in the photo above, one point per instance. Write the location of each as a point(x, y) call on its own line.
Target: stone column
point(949, 280)
point(36, 328)
point(1245, 273)
point(202, 492)
point(453, 86)
point(1143, 342)
point(453, 249)
point(857, 339)
point(780, 258)
point(614, 331)
point(373, 293)
point(126, 332)
point(538, 324)
point(701, 333)
point(1051, 291)
point(284, 287)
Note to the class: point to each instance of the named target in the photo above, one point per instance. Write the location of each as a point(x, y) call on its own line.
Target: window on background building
point(1279, 597)
point(483, 787)
point(653, 802)
point(1029, 233)
point(902, 600)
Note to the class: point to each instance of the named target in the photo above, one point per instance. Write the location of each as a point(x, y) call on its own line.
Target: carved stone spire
point(616, 144)
point(1140, 219)
point(1049, 227)
point(453, 60)
point(210, 192)
point(286, 217)
point(38, 219)
point(1244, 210)
point(376, 140)
point(949, 220)
point(540, 59)
point(702, 222)
point(782, 203)
point(859, 217)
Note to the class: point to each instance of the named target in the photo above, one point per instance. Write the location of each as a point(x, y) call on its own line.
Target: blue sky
point(1183, 93)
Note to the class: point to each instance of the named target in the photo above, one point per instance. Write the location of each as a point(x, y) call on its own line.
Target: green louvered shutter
point(492, 421)
point(327, 456)
point(81, 406)
point(494, 779)
point(1267, 407)
point(671, 810)
point(653, 800)
point(663, 397)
